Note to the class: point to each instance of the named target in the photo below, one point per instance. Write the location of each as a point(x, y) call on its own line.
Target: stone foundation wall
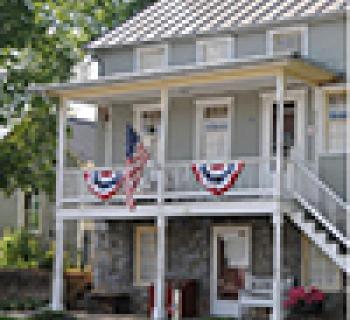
point(188, 254)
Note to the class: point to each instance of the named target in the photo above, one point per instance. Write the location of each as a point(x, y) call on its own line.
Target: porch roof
point(183, 76)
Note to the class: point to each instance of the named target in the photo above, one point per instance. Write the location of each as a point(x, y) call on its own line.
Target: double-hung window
point(337, 118)
point(151, 58)
point(214, 50)
point(145, 255)
point(318, 270)
point(32, 211)
point(288, 40)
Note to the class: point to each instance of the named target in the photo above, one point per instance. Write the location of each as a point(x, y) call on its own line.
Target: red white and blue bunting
point(217, 178)
point(104, 183)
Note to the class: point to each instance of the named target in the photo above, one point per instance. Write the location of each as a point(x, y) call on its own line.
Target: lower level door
point(230, 262)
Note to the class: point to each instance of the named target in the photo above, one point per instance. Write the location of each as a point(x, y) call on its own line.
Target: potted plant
point(304, 303)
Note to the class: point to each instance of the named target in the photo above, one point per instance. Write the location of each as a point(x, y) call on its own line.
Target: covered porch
point(171, 189)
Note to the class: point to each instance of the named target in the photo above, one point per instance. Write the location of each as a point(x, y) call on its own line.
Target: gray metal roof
point(175, 18)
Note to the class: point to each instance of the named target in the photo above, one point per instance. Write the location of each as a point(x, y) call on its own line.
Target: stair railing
point(321, 201)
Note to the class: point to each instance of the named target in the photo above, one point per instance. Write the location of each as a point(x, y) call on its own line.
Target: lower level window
point(32, 211)
point(319, 270)
point(145, 255)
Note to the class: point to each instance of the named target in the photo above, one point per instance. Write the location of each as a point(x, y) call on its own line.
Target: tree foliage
point(40, 41)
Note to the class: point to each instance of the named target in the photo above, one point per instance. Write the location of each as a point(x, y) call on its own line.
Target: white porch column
point(57, 279)
point(278, 213)
point(108, 138)
point(159, 312)
point(162, 151)
point(57, 285)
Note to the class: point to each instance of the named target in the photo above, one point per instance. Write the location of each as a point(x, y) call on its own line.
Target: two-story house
point(215, 82)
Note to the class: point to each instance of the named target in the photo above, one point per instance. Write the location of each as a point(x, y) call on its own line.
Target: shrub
point(19, 249)
point(52, 315)
point(21, 304)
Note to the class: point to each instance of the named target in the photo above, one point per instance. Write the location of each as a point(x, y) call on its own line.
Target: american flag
point(136, 159)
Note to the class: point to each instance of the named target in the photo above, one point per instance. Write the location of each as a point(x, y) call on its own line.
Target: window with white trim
point(336, 122)
point(152, 58)
point(319, 270)
point(214, 129)
point(214, 49)
point(287, 40)
point(32, 211)
point(145, 255)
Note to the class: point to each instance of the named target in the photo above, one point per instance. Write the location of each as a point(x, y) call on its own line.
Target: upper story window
point(287, 40)
point(151, 58)
point(337, 118)
point(214, 49)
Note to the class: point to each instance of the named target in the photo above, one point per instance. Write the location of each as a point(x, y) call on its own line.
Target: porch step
point(320, 239)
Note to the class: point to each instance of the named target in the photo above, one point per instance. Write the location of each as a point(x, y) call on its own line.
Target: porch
point(166, 182)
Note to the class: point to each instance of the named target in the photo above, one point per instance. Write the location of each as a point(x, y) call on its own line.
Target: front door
point(289, 128)
point(230, 262)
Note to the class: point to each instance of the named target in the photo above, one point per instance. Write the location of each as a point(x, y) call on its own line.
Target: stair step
point(309, 227)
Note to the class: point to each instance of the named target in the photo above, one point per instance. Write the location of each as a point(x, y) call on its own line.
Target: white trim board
point(204, 209)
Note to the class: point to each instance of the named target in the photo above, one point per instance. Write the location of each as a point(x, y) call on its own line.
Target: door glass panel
point(150, 129)
point(232, 262)
point(288, 128)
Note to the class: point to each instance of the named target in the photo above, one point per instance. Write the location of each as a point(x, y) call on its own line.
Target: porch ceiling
point(194, 76)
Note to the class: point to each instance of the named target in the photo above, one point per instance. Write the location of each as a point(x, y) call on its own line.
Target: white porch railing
point(317, 197)
point(256, 180)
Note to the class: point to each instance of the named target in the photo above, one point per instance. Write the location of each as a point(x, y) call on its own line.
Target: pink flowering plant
point(301, 301)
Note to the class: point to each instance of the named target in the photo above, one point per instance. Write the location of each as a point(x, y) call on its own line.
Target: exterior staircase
point(320, 213)
point(321, 240)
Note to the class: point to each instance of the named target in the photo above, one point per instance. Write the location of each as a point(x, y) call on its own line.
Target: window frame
point(140, 50)
point(40, 212)
point(306, 247)
point(303, 29)
point(204, 41)
point(137, 253)
point(327, 123)
point(201, 104)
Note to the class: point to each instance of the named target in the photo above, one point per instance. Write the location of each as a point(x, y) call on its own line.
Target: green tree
point(40, 41)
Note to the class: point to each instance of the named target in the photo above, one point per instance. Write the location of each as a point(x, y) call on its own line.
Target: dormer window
point(151, 58)
point(287, 41)
point(214, 49)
